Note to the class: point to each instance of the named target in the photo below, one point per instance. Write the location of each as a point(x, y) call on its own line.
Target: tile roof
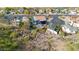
point(41, 18)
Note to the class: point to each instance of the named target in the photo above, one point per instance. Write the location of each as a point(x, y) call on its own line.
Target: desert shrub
point(33, 34)
point(77, 34)
point(72, 46)
point(14, 35)
point(8, 44)
point(61, 33)
point(26, 39)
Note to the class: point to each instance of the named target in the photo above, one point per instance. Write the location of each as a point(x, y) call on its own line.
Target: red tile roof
point(40, 17)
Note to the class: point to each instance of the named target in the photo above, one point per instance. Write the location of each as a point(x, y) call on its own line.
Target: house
point(63, 22)
point(17, 18)
point(25, 19)
point(69, 26)
point(72, 11)
point(40, 18)
point(39, 21)
point(72, 20)
point(55, 21)
point(75, 21)
point(15, 21)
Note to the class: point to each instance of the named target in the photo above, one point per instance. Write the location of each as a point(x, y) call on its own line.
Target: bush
point(72, 46)
point(6, 42)
point(26, 39)
point(33, 34)
point(14, 35)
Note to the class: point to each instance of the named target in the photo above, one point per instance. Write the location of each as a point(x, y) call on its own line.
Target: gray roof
point(55, 21)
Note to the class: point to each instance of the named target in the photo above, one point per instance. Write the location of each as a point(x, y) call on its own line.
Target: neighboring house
point(69, 26)
point(72, 20)
point(73, 13)
point(15, 21)
point(75, 21)
point(39, 21)
point(76, 25)
point(8, 17)
point(18, 18)
point(25, 19)
point(64, 23)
